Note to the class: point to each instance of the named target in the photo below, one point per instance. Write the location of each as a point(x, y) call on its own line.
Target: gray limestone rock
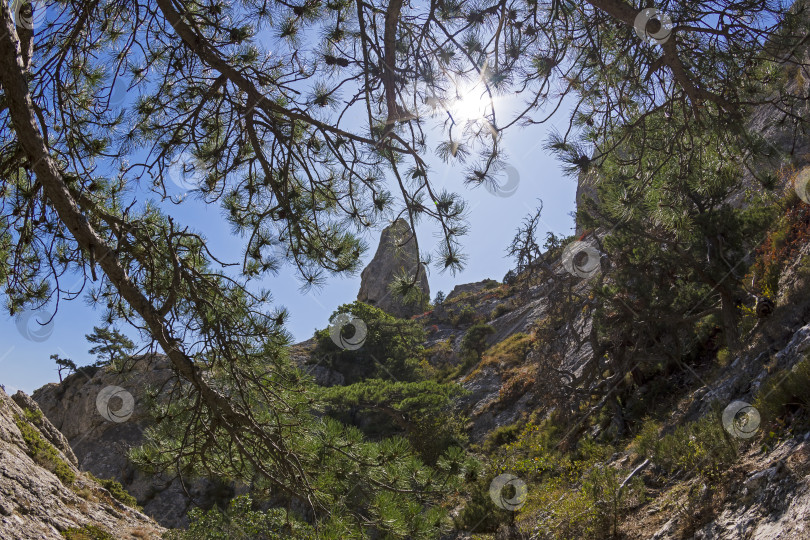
point(396, 254)
point(101, 445)
point(34, 503)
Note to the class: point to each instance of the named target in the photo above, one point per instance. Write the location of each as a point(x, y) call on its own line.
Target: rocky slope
point(766, 492)
point(101, 445)
point(42, 492)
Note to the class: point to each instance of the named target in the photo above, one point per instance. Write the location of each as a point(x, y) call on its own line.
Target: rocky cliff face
point(396, 255)
point(43, 494)
point(101, 445)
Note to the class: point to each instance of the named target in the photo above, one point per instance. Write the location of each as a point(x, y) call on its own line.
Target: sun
point(472, 104)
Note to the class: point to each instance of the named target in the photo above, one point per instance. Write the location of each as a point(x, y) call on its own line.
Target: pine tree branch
point(24, 121)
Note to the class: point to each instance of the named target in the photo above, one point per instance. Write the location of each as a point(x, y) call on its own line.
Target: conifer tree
point(307, 123)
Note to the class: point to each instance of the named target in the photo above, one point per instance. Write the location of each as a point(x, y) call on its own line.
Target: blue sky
point(25, 354)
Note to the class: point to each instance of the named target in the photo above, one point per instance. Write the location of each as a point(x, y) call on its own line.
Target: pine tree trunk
point(729, 312)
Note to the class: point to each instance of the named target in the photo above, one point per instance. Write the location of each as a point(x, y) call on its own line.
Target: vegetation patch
point(785, 397)
point(421, 410)
point(516, 382)
point(392, 347)
point(464, 316)
point(43, 453)
point(473, 345)
point(508, 352)
point(701, 447)
point(117, 491)
point(87, 532)
point(573, 494)
point(240, 521)
point(790, 233)
point(501, 309)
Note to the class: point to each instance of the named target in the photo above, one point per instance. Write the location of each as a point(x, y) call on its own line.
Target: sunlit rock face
point(396, 254)
point(35, 502)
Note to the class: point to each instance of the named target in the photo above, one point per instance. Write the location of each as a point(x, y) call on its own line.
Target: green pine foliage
point(245, 107)
point(421, 411)
point(677, 242)
point(392, 348)
point(390, 480)
point(388, 391)
point(473, 345)
point(110, 347)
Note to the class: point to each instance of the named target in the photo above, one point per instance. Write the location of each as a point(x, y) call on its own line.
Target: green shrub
point(501, 436)
point(87, 532)
point(474, 342)
point(723, 356)
point(646, 441)
point(585, 502)
point(465, 316)
point(700, 447)
point(785, 394)
point(571, 494)
point(391, 350)
point(500, 309)
point(473, 345)
point(117, 491)
point(421, 411)
point(240, 522)
point(43, 452)
point(480, 515)
point(34, 416)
